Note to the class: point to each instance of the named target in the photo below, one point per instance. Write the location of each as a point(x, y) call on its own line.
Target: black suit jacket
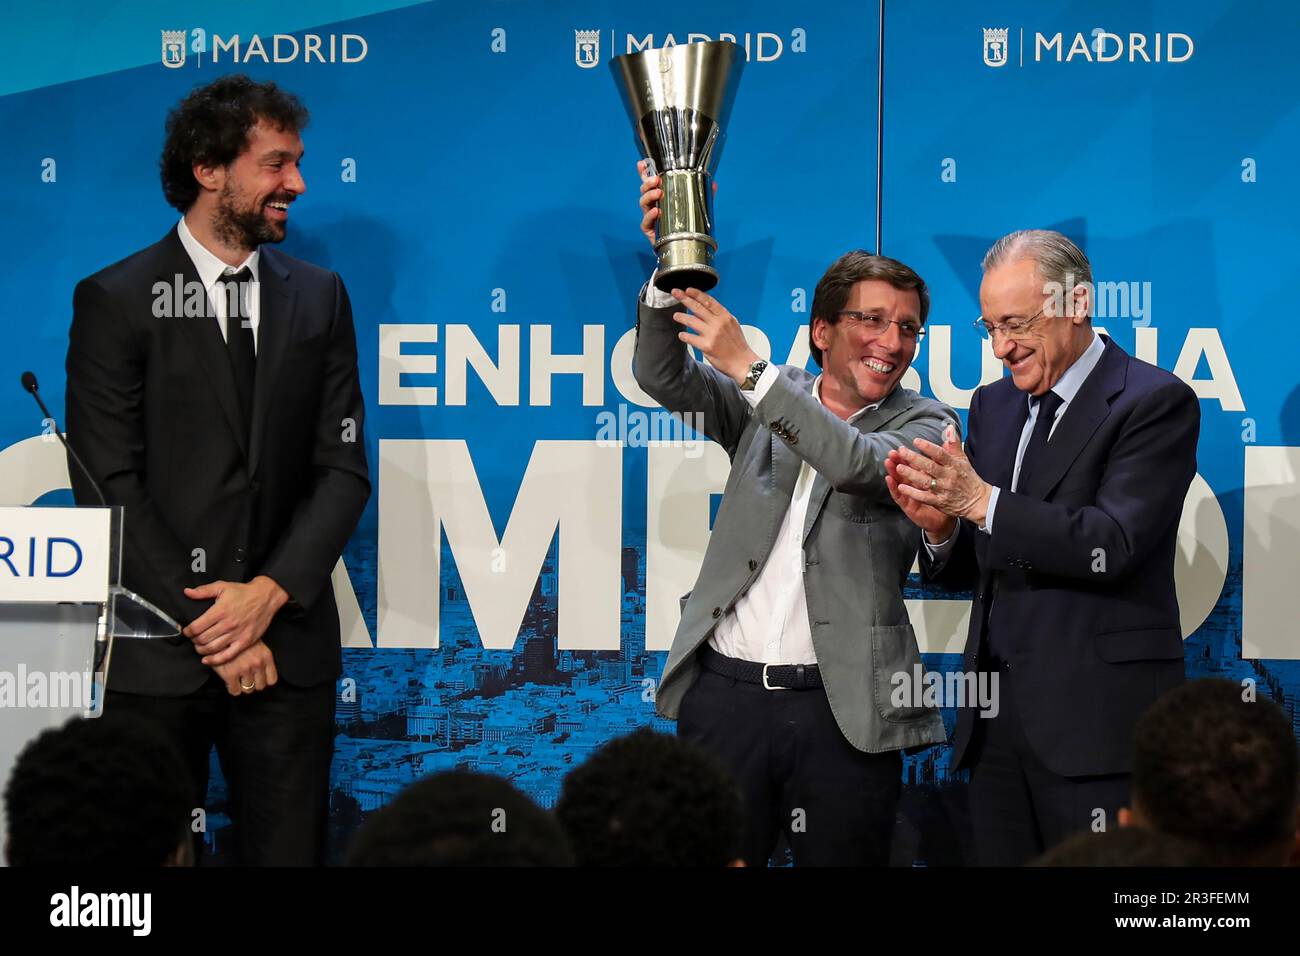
point(152, 410)
point(1082, 562)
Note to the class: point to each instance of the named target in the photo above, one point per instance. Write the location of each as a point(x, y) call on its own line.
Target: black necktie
point(1047, 405)
point(237, 291)
point(996, 637)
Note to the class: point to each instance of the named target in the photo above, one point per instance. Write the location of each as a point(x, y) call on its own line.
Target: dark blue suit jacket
point(1082, 561)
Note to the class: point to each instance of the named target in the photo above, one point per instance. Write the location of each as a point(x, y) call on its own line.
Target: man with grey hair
point(1061, 514)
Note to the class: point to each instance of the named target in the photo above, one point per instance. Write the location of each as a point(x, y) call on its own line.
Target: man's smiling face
point(1041, 352)
point(261, 183)
point(864, 364)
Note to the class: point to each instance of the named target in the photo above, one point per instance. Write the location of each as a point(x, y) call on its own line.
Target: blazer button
point(753, 565)
point(240, 554)
point(717, 612)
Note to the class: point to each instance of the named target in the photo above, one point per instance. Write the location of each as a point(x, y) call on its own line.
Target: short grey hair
point(1058, 259)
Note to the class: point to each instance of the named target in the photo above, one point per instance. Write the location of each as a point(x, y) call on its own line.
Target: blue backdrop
point(470, 175)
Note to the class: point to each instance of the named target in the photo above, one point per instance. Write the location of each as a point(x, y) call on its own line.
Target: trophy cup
point(679, 99)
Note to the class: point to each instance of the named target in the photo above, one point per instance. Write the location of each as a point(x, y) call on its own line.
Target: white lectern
point(61, 607)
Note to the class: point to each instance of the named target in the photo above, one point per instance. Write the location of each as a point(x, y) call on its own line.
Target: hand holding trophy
point(679, 99)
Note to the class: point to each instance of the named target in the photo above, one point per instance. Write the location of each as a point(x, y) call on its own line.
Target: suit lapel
point(894, 405)
point(1081, 420)
point(205, 335)
point(274, 332)
point(820, 489)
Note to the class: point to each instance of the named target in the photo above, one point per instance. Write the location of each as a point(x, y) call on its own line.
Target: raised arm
point(663, 364)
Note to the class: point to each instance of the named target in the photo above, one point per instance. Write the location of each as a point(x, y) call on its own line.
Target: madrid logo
point(586, 48)
point(173, 49)
point(995, 46)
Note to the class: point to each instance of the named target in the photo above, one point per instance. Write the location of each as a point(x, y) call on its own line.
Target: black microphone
point(29, 384)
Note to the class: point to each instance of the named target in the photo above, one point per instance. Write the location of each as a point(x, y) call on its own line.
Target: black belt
point(771, 676)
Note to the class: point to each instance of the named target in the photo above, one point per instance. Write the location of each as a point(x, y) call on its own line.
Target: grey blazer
point(858, 545)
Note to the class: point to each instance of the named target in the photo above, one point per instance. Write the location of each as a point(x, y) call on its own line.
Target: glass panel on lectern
point(135, 616)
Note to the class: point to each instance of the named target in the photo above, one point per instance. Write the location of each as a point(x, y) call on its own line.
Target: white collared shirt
point(1066, 388)
point(770, 621)
point(211, 269)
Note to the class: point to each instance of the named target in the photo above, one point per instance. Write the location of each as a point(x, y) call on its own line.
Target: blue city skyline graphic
point(533, 713)
point(469, 182)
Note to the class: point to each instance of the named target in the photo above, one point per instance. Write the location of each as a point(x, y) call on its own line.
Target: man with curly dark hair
point(1218, 766)
point(99, 793)
point(213, 392)
point(461, 818)
point(649, 799)
point(1123, 846)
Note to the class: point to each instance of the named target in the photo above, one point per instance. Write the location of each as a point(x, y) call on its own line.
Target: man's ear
point(209, 176)
point(1081, 303)
point(183, 855)
point(821, 333)
point(1134, 816)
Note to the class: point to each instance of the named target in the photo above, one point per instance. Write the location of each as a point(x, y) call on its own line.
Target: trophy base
point(686, 263)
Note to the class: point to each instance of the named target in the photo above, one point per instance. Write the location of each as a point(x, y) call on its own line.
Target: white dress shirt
point(1066, 388)
point(770, 621)
point(211, 269)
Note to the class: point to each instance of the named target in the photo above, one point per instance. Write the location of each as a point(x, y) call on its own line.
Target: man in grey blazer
point(783, 662)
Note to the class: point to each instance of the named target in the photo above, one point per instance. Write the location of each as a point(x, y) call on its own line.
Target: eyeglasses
point(875, 325)
point(1013, 328)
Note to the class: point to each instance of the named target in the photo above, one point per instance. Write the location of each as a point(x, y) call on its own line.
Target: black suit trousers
point(1019, 808)
point(275, 748)
point(796, 773)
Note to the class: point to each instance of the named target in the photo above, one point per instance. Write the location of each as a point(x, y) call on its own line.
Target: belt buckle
point(766, 685)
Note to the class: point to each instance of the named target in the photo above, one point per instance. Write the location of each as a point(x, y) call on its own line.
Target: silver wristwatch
point(751, 380)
